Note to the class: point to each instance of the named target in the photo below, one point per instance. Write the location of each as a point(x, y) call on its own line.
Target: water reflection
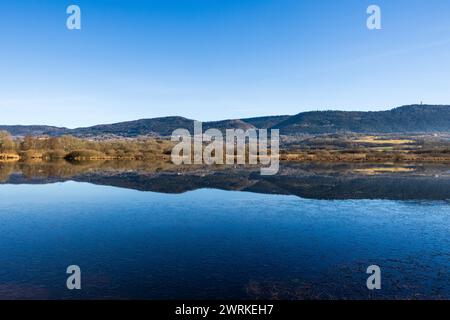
point(216, 244)
point(315, 181)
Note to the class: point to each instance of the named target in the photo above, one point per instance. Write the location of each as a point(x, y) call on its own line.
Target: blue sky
point(217, 59)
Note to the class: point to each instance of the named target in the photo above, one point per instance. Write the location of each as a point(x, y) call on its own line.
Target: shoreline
point(283, 159)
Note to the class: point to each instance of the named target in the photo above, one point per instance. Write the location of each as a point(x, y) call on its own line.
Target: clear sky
point(217, 59)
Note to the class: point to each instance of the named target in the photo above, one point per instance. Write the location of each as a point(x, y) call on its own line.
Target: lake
point(186, 237)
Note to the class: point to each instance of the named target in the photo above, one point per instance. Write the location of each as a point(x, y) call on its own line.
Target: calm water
point(217, 244)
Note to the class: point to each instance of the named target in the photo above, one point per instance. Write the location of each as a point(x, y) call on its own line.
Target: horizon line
point(221, 120)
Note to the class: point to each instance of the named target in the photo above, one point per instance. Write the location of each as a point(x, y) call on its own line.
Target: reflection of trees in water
point(6, 169)
point(65, 169)
point(54, 169)
point(333, 181)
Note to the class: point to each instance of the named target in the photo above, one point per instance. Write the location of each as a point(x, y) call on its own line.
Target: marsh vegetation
point(77, 149)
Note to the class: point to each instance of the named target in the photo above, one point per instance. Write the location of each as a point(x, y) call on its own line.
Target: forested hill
point(406, 119)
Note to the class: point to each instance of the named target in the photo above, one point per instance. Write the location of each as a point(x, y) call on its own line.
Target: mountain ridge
point(404, 119)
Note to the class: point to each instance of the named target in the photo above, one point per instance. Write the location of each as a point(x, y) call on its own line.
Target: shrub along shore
point(72, 148)
point(317, 149)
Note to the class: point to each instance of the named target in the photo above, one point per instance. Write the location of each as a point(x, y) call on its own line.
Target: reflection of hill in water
point(337, 181)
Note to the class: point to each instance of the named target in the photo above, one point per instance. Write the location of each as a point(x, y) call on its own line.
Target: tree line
point(70, 147)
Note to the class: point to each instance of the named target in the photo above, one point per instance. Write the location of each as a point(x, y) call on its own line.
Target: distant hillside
point(266, 122)
point(33, 130)
point(158, 127)
point(406, 119)
point(155, 127)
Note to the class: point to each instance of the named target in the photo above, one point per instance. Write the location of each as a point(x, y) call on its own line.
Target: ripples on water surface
point(217, 244)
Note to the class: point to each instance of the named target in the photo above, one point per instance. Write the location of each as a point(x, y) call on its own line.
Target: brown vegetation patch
point(378, 140)
point(9, 157)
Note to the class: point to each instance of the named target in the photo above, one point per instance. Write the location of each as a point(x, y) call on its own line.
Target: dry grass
point(377, 170)
point(377, 140)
